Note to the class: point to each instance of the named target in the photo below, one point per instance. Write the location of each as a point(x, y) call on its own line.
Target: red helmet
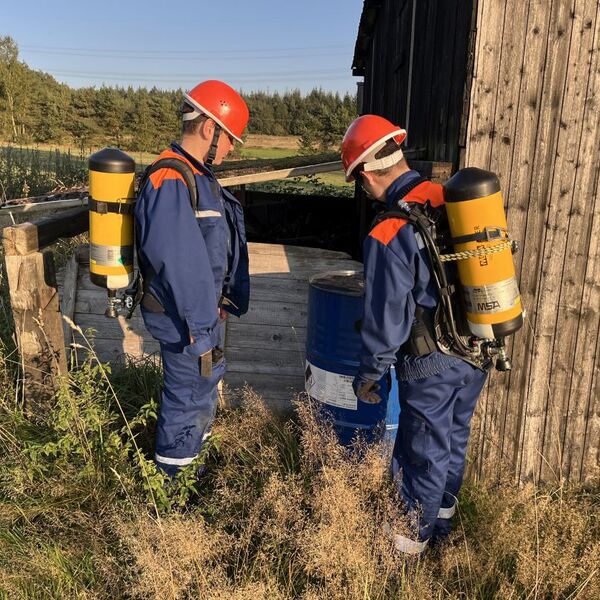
point(221, 103)
point(365, 137)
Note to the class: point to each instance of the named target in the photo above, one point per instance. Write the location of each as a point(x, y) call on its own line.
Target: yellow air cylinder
point(112, 176)
point(491, 295)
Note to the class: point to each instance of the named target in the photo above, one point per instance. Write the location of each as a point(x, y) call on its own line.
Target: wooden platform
point(264, 349)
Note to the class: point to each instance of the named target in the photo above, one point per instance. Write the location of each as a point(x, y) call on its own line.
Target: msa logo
point(491, 305)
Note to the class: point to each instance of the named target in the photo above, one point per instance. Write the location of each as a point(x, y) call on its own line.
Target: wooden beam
point(30, 237)
point(69, 297)
point(43, 205)
point(281, 174)
point(38, 325)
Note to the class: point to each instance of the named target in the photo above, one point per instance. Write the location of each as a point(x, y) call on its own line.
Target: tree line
point(34, 107)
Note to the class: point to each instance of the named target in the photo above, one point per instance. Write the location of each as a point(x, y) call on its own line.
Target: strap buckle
point(124, 207)
point(493, 234)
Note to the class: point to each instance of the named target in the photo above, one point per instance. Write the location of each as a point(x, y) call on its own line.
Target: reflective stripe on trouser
point(404, 544)
point(433, 432)
point(187, 410)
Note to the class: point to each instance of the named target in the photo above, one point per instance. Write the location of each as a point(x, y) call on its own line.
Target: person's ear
point(207, 129)
point(368, 177)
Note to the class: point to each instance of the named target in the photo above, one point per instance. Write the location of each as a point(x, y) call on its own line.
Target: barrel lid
point(111, 160)
point(470, 183)
point(346, 283)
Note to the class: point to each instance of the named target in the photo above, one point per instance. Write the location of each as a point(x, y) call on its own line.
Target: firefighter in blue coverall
point(437, 392)
point(195, 269)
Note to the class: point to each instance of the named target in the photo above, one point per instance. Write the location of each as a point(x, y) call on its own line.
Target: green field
point(255, 152)
point(35, 170)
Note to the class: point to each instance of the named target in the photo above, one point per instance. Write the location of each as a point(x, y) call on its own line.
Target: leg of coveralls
point(187, 409)
point(464, 407)
point(422, 449)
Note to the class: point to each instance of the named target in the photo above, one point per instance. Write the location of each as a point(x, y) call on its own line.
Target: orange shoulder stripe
point(387, 230)
point(427, 191)
point(158, 177)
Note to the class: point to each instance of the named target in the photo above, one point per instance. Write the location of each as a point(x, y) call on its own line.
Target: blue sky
point(253, 44)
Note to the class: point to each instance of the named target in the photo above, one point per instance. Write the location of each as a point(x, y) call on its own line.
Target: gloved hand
point(366, 389)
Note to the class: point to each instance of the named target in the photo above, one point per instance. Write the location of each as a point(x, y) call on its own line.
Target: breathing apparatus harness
point(139, 292)
point(445, 330)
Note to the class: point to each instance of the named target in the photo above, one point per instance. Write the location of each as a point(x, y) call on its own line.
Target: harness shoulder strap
point(398, 212)
point(182, 168)
point(139, 291)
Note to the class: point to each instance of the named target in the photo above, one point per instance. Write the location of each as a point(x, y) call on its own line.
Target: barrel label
point(330, 388)
point(111, 256)
point(493, 298)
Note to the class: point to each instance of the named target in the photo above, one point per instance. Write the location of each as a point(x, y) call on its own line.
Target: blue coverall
point(438, 393)
point(189, 262)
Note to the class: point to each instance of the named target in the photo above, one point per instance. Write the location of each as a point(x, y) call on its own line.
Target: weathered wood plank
point(257, 249)
point(567, 245)
point(106, 327)
point(68, 296)
point(39, 205)
point(38, 326)
point(581, 453)
point(297, 265)
point(274, 387)
point(490, 25)
point(494, 398)
point(286, 315)
point(31, 237)
point(92, 300)
point(117, 352)
point(89, 312)
point(590, 459)
point(271, 337)
point(281, 174)
point(485, 81)
point(235, 168)
point(544, 215)
point(286, 361)
point(525, 140)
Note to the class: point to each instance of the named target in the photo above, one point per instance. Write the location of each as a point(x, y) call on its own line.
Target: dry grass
point(287, 513)
point(283, 512)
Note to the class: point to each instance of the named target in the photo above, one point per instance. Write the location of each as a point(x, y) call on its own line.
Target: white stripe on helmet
point(373, 149)
point(203, 111)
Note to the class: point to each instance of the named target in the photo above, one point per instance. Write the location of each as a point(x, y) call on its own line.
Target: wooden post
point(36, 312)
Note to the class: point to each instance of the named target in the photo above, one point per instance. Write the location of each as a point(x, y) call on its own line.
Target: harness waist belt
point(121, 208)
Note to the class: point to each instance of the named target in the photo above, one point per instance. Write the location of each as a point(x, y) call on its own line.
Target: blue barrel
point(392, 415)
point(335, 308)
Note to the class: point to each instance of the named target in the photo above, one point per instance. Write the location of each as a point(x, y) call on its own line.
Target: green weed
point(28, 172)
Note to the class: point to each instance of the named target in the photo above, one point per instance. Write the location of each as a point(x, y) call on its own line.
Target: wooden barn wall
point(534, 121)
point(437, 78)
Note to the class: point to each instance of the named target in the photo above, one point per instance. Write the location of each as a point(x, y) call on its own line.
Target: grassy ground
point(257, 152)
point(282, 512)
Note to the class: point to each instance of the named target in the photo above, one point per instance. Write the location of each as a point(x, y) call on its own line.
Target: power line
point(179, 76)
point(187, 79)
point(193, 58)
point(184, 53)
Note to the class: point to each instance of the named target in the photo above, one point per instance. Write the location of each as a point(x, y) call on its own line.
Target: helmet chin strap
point(212, 152)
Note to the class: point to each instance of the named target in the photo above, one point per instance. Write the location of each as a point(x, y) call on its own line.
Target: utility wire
point(158, 53)
point(178, 76)
point(192, 58)
point(183, 81)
